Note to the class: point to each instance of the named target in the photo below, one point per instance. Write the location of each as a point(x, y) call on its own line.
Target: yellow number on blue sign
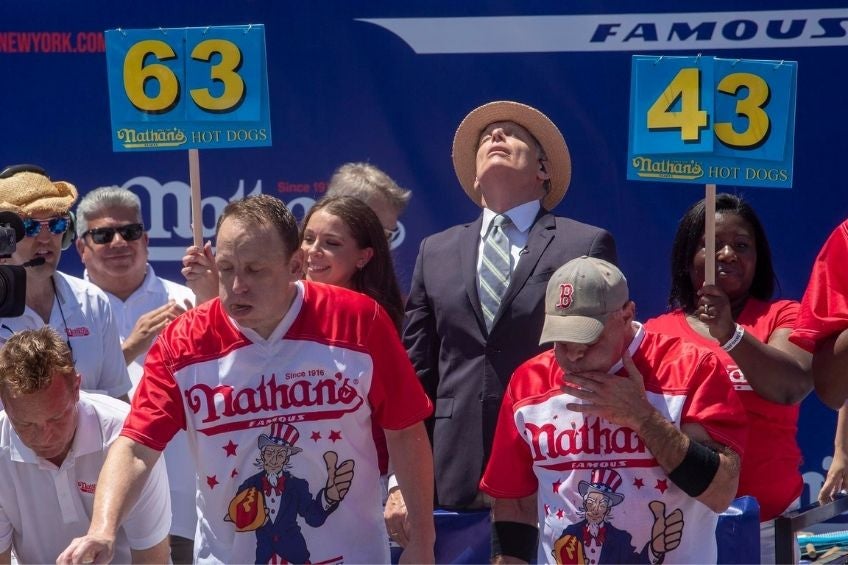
point(751, 107)
point(224, 71)
point(137, 75)
point(690, 119)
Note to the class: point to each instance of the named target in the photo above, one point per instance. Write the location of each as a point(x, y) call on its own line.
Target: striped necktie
point(494, 268)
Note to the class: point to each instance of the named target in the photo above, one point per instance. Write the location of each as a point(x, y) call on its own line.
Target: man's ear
point(542, 173)
point(79, 243)
point(296, 263)
point(629, 311)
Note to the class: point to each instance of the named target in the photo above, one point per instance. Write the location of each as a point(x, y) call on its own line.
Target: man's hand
point(148, 326)
point(88, 549)
point(339, 477)
point(620, 400)
point(200, 272)
point(667, 531)
point(395, 516)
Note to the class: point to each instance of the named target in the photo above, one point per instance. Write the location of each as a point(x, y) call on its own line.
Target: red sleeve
point(157, 411)
point(787, 315)
point(396, 396)
point(714, 404)
point(509, 473)
point(824, 308)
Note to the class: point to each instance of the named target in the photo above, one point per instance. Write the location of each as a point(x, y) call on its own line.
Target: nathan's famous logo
point(591, 437)
point(170, 137)
point(315, 399)
point(667, 168)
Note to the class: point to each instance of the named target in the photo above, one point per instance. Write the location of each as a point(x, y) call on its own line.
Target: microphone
point(35, 262)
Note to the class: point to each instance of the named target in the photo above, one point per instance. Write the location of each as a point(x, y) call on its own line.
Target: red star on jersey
point(234, 474)
point(556, 486)
point(335, 435)
point(638, 483)
point(560, 513)
point(230, 448)
point(212, 481)
point(662, 485)
point(315, 436)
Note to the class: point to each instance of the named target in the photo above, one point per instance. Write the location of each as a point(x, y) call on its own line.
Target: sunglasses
point(102, 236)
point(57, 225)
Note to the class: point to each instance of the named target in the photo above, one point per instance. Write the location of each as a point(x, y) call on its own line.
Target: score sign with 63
point(706, 120)
point(184, 88)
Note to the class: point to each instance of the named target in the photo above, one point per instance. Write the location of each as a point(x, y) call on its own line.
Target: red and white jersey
point(824, 308)
point(541, 447)
point(333, 364)
point(772, 450)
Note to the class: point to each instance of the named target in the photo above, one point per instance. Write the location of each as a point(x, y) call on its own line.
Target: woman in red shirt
point(749, 330)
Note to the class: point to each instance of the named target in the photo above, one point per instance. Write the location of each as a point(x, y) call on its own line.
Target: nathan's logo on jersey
point(77, 332)
point(548, 442)
point(86, 487)
point(322, 399)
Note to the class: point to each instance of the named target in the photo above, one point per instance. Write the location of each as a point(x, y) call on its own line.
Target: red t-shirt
point(824, 308)
point(334, 365)
point(770, 468)
point(542, 447)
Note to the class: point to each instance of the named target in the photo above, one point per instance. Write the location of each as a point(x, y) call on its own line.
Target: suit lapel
point(468, 246)
point(541, 234)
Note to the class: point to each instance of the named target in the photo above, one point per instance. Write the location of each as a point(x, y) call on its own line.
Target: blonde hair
point(363, 180)
point(30, 360)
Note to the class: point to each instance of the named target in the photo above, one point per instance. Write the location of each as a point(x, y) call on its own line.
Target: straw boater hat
point(467, 137)
point(32, 194)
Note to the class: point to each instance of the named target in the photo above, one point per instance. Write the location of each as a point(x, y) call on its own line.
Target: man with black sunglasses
point(112, 244)
point(75, 308)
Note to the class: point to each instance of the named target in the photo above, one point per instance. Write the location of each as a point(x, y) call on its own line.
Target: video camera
point(12, 277)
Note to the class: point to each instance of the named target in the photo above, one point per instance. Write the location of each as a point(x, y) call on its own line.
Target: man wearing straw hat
point(75, 308)
point(475, 302)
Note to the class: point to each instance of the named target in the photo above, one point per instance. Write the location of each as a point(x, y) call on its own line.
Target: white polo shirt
point(81, 312)
point(44, 507)
point(153, 293)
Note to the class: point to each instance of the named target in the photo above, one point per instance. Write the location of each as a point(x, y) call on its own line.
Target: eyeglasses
point(57, 225)
point(102, 236)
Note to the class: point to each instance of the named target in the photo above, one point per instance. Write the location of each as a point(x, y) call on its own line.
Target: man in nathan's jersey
point(298, 370)
point(623, 445)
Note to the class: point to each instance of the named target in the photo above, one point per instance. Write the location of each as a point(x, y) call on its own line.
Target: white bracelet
point(735, 338)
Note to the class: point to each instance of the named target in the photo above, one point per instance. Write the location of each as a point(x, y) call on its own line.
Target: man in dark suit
point(463, 339)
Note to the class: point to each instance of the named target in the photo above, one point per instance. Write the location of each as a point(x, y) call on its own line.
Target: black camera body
point(12, 277)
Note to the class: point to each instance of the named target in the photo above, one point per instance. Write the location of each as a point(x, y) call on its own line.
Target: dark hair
point(687, 241)
point(265, 209)
point(377, 278)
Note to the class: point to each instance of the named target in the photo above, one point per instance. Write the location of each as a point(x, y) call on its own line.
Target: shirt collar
point(522, 216)
point(632, 348)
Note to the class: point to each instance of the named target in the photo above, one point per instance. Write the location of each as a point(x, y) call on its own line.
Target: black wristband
point(515, 539)
point(697, 470)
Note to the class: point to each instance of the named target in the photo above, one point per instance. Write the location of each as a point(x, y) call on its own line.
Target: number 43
point(690, 119)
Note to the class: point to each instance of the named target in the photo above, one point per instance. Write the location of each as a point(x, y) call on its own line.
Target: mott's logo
point(86, 487)
point(667, 168)
point(133, 138)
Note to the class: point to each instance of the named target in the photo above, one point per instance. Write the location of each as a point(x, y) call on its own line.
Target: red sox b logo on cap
point(566, 291)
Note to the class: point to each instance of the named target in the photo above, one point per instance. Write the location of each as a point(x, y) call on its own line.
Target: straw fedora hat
point(467, 136)
point(31, 193)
